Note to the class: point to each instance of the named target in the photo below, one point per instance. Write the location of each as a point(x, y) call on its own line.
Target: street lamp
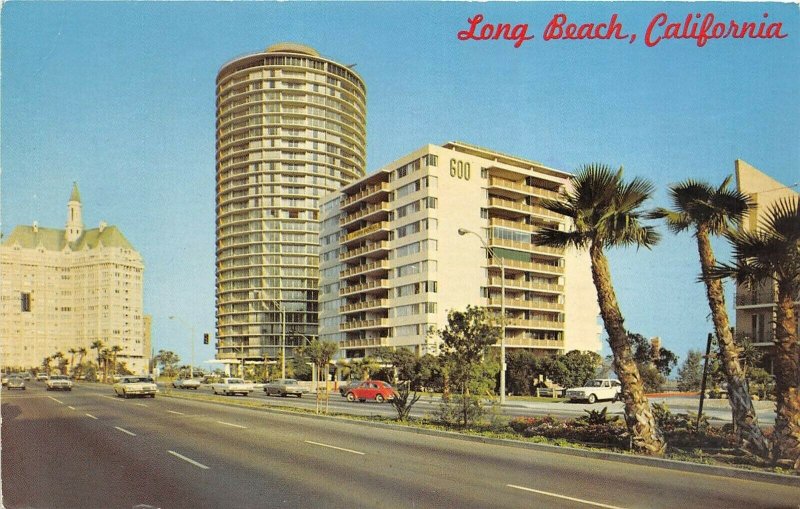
point(464, 231)
point(191, 342)
point(280, 307)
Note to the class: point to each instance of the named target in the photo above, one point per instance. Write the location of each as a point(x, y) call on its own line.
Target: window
point(25, 302)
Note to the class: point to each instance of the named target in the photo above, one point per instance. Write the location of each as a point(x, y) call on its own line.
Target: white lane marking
point(174, 412)
point(587, 502)
point(54, 399)
point(71, 407)
point(141, 404)
point(334, 447)
point(232, 425)
point(92, 416)
point(184, 458)
point(125, 431)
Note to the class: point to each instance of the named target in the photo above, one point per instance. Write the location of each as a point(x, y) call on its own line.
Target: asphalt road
point(89, 449)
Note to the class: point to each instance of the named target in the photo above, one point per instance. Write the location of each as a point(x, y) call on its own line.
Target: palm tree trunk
point(744, 414)
point(786, 439)
point(646, 437)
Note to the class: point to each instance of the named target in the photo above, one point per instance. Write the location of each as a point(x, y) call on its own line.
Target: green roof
point(75, 196)
point(53, 239)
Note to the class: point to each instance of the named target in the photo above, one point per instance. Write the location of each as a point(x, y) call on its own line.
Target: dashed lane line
point(334, 447)
point(176, 413)
point(141, 404)
point(54, 399)
point(232, 425)
point(189, 460)
point(71, 407)
point(125, 431)
point(556, 495)
point(92, 416)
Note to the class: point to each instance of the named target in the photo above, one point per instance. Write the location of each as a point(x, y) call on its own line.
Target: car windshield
point(235, 381)
point(290, 382)
point(59, 377)
point(594, 383)
point(138, 379)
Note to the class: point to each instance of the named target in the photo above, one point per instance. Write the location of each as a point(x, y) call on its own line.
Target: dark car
point(345, 387)
point(285, 387)
point(371, 389)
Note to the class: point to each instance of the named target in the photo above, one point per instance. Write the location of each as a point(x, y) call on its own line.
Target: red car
point(371, 389)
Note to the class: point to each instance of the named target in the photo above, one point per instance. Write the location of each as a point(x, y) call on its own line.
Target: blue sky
point(120, 98)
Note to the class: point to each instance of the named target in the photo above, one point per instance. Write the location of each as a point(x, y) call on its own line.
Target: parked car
point(59, 383)
point(4, 379)
point(15, 382)
point(595, 390)
point(41, 377)
point(345, 387)
point(228, 386)
point(136, 386)
point(371, 389)
point(284, 387)
point(27, 376)
point(186, 383)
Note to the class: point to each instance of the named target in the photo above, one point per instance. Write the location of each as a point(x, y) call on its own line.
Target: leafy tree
point(605, 212)
point(772, 253)
point(402, 360)
point(578, 367)
point(168, 360)
point(708, 211)
point(690, 374)
point(522, 371)
point(428, 374)
point(465, 344)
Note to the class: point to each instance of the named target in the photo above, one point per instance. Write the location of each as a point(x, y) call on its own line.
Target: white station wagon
point(595, 390)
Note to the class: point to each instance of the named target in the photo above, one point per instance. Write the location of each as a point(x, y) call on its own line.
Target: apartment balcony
point(370, 249)
point(526, 285)
point(371, 232)
point(523, 342)
point(371, 287)
point(522, 323)
point(366, 305)
point(378, 323)
point(364, 342)
point(516, 225)
point(366, 269)
point(761, 299)
point(368, 194)
point(527, 304)
point(371, 212)
point(520, 209)
point(527, 266)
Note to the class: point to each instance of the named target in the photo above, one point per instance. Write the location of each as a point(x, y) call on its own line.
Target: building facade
point(756, 305)
point(66, 289)
point(393, 262)
point(291, 127)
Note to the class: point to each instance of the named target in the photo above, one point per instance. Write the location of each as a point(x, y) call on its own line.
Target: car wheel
point(125, 394)
point(351, 396)
point(299, 396)
point(283, 394)
point(592, 398)
point(379, 398)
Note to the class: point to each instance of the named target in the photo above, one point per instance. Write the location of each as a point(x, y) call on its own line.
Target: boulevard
point(87, 448)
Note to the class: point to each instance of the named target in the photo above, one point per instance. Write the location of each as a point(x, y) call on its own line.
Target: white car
point(186, 383)
point(233, 386)
point(59, 383)
point(136, 386)
point(595, 390)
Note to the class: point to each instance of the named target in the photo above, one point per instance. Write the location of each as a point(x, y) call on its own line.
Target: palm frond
point(553, 237)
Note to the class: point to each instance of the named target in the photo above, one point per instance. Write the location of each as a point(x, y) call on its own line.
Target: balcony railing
point(355, 216)
point(366, 267)
point(527, 285)
point(522, 187)
point(366, 248)
point(380, 284)
point(367, 304)
point(522, 207)
point(534, 324)
point(367, 230)
point(527, 304)
point(362, 342)
point(531, 266)
point(383, 186)
point(364, 324)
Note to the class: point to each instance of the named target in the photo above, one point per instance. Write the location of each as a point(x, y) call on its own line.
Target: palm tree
point(605, 212)
point(72, 352)
point(772, 252)
point(59, 358)
point(105, 355)
point(97, 345)
point(82, 352)
point(699, 207)
point(46, 364)
point(114, 351)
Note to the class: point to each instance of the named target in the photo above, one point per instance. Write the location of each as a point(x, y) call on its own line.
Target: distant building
point(756, 306)
point(392, 262)
point(65, 289)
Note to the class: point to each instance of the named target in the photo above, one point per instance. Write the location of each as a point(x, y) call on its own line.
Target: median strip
point(232, 425)
point(54, 399)
point(334, 447)
point(189, 460)
point(580, 500)
point(125, 431)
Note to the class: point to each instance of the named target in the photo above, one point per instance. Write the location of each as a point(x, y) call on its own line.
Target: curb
point(683, 466)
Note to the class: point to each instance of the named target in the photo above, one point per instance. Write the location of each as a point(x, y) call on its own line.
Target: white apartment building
point(392, 261)
point(65, 289)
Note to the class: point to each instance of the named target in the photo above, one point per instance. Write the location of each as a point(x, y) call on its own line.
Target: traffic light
point(205, 338)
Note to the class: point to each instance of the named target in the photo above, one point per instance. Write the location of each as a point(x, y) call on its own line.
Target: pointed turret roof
point(75, 196)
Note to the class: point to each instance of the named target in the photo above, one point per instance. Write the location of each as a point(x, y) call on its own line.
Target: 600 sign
point(459, 169)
